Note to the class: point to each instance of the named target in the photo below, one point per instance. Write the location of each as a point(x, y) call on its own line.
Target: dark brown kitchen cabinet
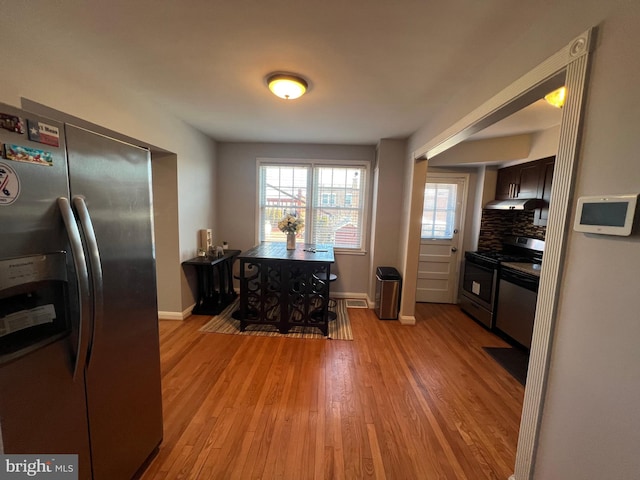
point(529, 178)
point(506, 181)
point(544, 190)
point(519, 181)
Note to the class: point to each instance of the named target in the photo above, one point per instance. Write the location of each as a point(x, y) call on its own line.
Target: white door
point(440, 239)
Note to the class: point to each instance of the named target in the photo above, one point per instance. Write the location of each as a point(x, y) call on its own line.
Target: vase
point(291, 241)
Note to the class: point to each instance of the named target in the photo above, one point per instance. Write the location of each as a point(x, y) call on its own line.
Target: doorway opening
point(568, 66)
point(440, 238)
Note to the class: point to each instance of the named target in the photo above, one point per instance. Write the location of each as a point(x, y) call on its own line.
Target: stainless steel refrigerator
point(79, 347)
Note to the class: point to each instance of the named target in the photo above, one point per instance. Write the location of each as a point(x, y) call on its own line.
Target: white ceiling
point(534, 118)
point(376, 68)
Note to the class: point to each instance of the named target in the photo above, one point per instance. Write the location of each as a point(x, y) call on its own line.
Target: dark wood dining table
point(285, 288)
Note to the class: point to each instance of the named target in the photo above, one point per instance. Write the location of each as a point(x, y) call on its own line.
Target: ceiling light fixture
point(287, 86)
point(557, 97)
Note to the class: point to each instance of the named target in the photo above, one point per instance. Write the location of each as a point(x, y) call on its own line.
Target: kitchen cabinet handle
point(82, 275)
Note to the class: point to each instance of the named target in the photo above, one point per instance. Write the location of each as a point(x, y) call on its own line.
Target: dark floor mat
point(512, 360)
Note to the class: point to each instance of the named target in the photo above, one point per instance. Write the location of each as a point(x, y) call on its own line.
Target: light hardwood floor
point(398, 402)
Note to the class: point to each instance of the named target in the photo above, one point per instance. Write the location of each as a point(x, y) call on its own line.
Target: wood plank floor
point(398, 402)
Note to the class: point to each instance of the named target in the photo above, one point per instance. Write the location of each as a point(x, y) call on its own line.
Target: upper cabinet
point(544, 189)
point(519, 181)
point(528, 180)
point(506, 182)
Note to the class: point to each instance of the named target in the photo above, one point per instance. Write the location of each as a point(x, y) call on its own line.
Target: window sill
point(338, 251)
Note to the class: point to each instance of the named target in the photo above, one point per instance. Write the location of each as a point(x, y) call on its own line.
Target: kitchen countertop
point(530, 268)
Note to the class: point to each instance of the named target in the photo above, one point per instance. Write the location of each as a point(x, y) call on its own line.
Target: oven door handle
point(481, 267)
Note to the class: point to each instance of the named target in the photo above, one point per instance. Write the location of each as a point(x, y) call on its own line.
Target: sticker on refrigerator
point(11, 123)
point(23, 319)
point(28, 155)
point(43, 133)
point(9, 185)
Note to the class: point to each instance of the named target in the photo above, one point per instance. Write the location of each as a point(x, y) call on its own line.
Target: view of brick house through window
point(329, 199)
point(438, 215)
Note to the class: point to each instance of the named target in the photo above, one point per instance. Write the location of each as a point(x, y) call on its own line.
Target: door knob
point(455, 231)
point(454, 249)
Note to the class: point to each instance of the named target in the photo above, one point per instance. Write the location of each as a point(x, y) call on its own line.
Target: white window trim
point(260, 161)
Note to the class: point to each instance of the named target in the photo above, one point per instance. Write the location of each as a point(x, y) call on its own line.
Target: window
point(330, 199)
point(439, 212)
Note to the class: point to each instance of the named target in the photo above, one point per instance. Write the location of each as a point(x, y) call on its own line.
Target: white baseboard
point(349, 295)
point(371, 303)
point(407, 320)
point(176, 315)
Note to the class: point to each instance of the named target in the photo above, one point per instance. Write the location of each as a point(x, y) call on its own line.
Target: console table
point(285, 288)
point(215, 282)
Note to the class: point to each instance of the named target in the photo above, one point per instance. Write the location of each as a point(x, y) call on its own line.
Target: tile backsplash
point(495, 224)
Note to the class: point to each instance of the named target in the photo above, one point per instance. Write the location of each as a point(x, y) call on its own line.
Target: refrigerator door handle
point(82, 275)
point(94, 261)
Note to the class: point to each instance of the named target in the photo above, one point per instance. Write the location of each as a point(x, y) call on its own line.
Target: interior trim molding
point(407, 319)
point(555, 246)
point(513, 98)
point(170, 316)
point(569, 66)
point(348, 295)
point(176, 315)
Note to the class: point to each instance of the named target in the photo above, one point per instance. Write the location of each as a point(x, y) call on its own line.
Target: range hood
point(515, 204)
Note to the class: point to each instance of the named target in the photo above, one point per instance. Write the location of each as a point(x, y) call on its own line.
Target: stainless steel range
point(480, 285)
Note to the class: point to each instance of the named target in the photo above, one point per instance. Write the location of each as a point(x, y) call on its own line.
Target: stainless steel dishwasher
point(516, 311)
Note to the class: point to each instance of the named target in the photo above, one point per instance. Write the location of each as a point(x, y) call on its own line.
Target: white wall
point(237, 184)
point(502, 151)
point(387, 205)
point(165, 218)
point(415, 176)
point(544, 144)
point(197, 204)
point(590, 428)
point(491, 150)
point(121, 111)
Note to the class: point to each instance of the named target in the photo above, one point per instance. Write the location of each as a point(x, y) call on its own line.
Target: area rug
point(339, 329)
point(513, 360)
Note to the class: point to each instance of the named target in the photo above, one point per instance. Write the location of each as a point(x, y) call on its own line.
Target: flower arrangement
point(290, 224)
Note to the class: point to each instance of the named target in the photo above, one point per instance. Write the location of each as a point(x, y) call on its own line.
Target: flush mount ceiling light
point(557, 97)
point(287, 86)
